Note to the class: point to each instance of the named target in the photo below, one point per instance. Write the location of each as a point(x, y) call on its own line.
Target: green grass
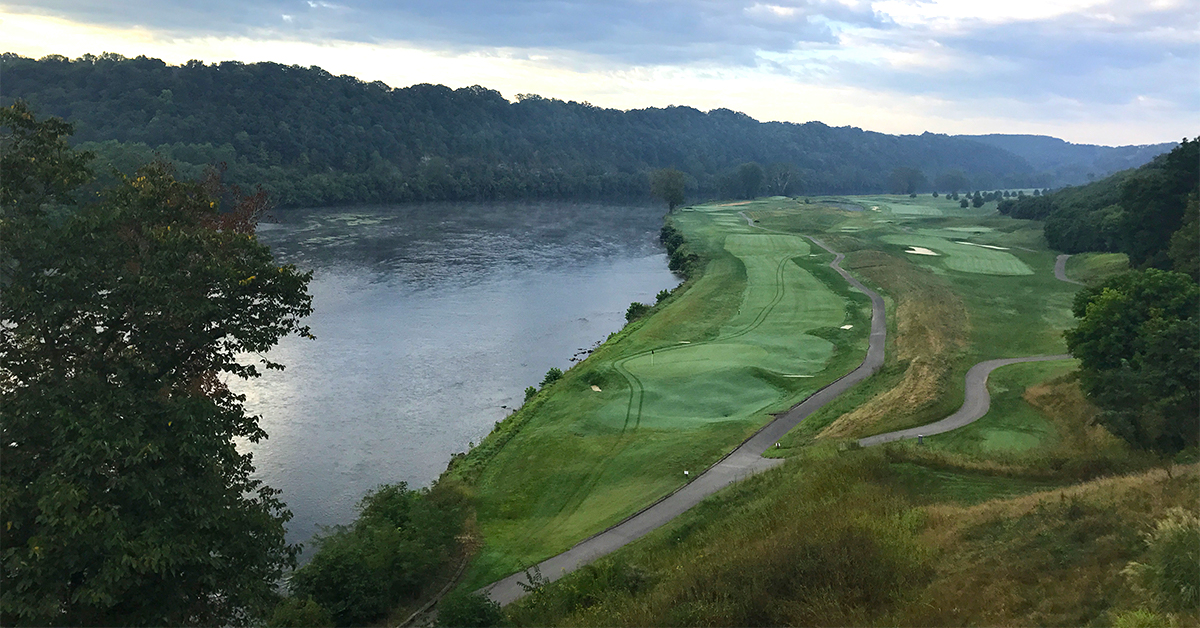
point(759, 331)
point(965, 258)
point(1096, 267)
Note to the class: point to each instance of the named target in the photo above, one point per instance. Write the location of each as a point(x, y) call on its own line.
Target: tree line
point(1138, 335)
point(1148, 213)
point(311, 138)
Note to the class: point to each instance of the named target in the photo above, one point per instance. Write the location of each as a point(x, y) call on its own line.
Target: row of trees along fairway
point(125, 500)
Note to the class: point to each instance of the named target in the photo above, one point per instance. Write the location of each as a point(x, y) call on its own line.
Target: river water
point(430, 322)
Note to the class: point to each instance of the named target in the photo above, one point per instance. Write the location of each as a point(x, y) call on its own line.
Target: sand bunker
point(847, 326)
point(735, 204)
point(595, 388)
point(986, 246)
point(920, 250)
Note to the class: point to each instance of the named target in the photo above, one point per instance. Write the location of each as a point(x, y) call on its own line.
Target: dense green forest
point(311, 138)
point(1148, 213)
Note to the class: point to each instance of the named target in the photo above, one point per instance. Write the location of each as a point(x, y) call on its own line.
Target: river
point(430, 321)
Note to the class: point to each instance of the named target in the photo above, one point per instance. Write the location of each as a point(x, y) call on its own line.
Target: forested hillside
point(309, 137)
point(1066, 163)
point(1148, 213)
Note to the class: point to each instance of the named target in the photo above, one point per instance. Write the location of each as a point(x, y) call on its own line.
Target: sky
point(1108, 72)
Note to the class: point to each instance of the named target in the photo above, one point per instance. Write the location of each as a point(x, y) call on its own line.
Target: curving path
point(741, 463)
point(974, 406)
point(1060, 270)
point(977, 400)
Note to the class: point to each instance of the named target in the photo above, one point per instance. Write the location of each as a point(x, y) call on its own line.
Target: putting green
point(964, 257)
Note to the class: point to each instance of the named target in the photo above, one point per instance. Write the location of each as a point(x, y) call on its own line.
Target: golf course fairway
point(760, 329)
point(762, 324)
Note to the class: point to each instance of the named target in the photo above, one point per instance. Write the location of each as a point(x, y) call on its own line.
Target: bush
point(1170, 575)
point(462, 610)
point(661, 296)
point(400, 540)
point(295, 612)
point(530, 391)
point(636, 310)
point(1140, 618)
point(964, 203)
point(553, 375)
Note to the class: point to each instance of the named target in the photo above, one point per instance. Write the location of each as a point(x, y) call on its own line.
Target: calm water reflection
point(430, 320)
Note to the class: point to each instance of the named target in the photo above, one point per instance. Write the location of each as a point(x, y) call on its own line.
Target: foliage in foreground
point(822, 544)
point(1138, 342)
point(401, 540)
point(1170, 573)
point(125, 500)
point(469, 610)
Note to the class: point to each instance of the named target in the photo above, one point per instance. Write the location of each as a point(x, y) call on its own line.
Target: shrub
point(661, 296)
point(296, 612)
point(1170, 575)
point(636, 310)
point(398, 543)
point(553, 375)
point(1140, 618)
point(475, 610)
point(530, 391)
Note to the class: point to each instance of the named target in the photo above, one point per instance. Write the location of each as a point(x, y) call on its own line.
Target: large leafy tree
point(125, 500)
point(668, 184)
point(1138, 342)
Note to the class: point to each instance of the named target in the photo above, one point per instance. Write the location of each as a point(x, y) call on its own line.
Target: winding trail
point(974, 406)
point(747, 460)
point(739, 464)
point(1060, 270)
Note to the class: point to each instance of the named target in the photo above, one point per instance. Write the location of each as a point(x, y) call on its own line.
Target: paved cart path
point(1060, 270)
point(974, 406)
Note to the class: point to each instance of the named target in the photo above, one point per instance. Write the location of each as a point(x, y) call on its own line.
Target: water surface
point(430, 322)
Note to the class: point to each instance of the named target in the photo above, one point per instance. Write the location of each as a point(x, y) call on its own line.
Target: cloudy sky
point(1093, 71)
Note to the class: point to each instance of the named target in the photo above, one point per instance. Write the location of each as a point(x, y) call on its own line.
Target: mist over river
point(430, 322)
